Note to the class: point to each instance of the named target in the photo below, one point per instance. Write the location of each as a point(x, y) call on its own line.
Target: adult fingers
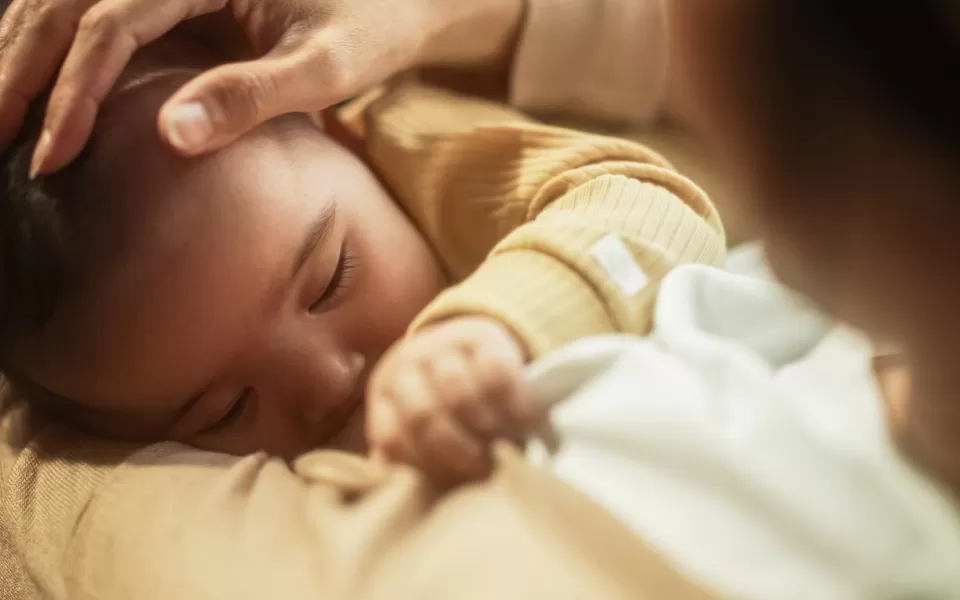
point(107, 36)
point(34, 38)
point(222, 104)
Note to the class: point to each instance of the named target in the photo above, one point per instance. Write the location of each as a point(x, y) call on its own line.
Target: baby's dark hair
point(34, 246)
point(37, 227)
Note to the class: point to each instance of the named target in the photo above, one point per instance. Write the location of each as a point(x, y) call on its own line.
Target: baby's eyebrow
point(316, 235)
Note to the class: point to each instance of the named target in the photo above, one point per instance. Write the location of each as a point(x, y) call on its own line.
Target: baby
point(258, 299)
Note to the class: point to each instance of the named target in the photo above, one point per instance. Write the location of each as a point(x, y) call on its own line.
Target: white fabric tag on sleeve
point(615, 258)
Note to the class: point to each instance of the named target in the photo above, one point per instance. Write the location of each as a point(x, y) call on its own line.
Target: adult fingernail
point(40, 153)
point(188, 126)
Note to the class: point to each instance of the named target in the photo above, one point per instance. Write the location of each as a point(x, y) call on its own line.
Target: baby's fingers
point(408, 423)
point(400, 405)
point(463, 396)
point(451, 455)
point(389, 441)
point(502, 388)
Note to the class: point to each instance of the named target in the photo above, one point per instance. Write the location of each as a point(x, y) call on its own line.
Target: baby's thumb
point(222, 104)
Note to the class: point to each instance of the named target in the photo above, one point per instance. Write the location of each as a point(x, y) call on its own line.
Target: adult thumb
point(220, 105)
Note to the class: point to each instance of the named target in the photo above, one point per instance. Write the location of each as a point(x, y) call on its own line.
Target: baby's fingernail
point(382, 420)
point(40, 153)
point(188, 126)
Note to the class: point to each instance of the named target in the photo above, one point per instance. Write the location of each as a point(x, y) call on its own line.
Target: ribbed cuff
point(544, 302)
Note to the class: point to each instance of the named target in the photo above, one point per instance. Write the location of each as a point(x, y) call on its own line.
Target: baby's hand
point(438, 399)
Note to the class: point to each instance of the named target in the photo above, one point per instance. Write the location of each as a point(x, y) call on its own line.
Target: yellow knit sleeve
point(556, 233)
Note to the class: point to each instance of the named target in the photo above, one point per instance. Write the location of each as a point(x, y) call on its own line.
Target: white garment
point(746, 440)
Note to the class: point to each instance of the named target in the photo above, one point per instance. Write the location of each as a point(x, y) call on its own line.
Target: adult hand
point(312, 53)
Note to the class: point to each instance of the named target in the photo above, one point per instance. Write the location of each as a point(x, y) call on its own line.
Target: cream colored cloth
point(745, 438)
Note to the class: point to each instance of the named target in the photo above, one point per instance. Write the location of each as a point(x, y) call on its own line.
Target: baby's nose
point(341, 380)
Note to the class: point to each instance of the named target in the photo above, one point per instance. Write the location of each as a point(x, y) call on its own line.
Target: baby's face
point(236, 302)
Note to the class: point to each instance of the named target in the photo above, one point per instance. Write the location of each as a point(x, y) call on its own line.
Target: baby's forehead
point(145, 194)
point(126, 163)
point(125, 143)
point(153, 74)
point(138, 177)
point(126, 151)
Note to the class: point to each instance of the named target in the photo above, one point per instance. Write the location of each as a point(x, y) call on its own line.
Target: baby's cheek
point(352, 437)
point(403, 280)
point(390, 309)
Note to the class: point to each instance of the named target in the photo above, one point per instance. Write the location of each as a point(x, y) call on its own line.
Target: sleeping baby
point(287, 293)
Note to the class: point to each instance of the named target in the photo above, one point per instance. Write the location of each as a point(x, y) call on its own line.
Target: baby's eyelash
point(346, 272)
point(341, 277)
point(234, 413)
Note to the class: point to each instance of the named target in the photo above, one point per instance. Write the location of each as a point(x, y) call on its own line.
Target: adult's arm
point(600, 60)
